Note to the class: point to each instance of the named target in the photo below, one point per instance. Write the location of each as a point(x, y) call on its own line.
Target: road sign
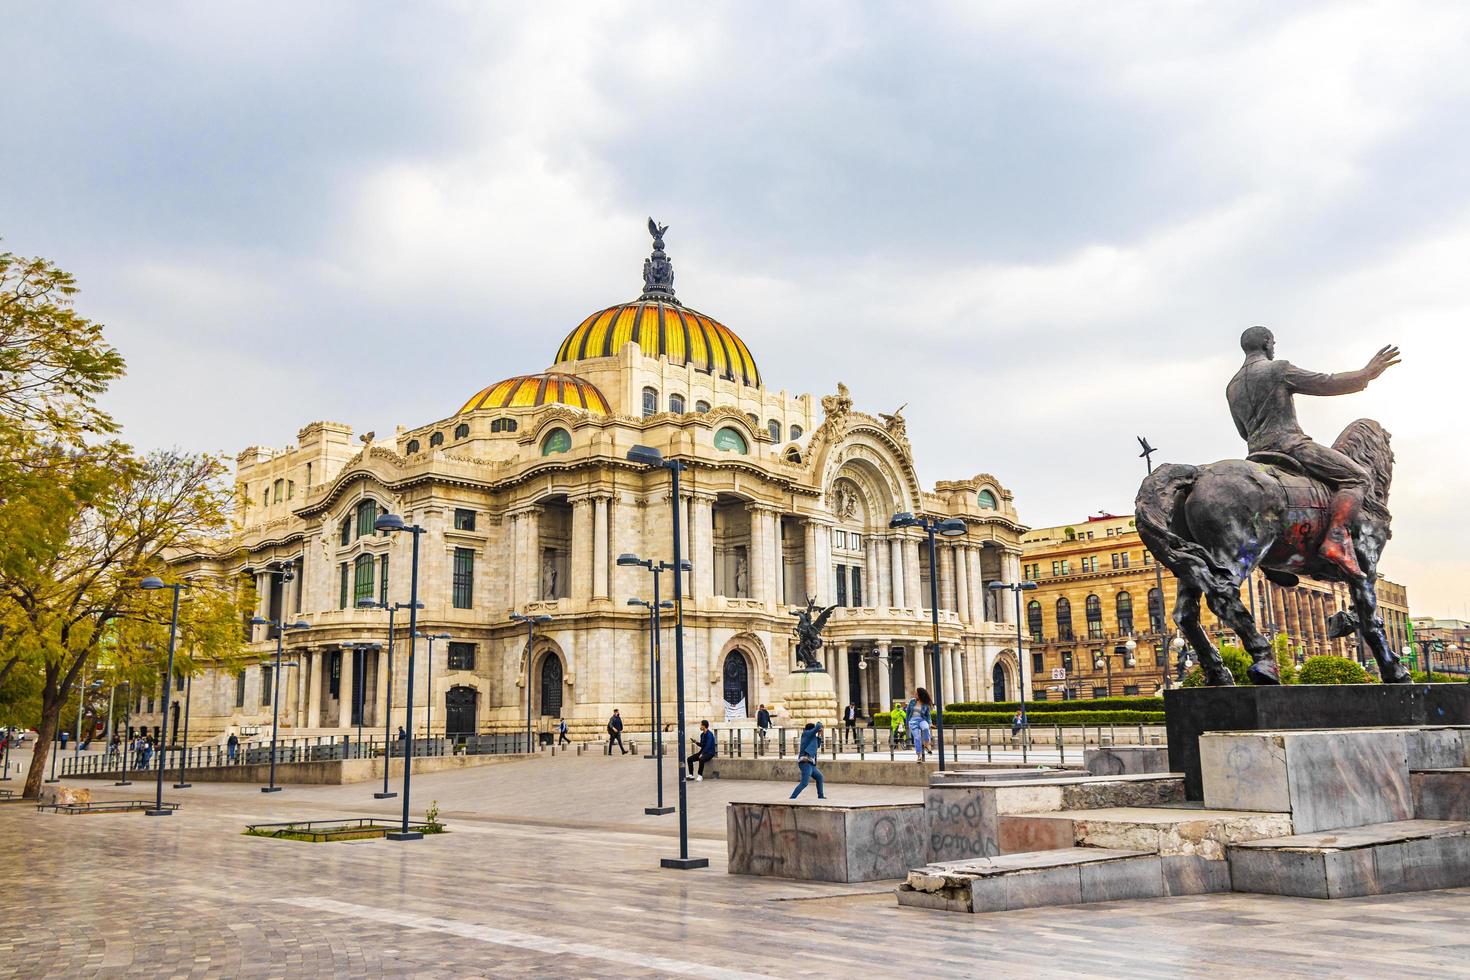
point(1059, 673)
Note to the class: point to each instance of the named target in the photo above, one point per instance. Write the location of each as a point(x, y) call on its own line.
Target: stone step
point(1376, 859)
point(1441, 794)
point(1166, 830)
point(962, 777)
point(1071, 876)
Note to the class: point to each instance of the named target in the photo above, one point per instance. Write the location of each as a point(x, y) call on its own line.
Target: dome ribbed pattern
point(531, 390)
point(662, 328)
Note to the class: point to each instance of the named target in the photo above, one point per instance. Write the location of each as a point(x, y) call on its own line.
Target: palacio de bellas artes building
point(527, 499)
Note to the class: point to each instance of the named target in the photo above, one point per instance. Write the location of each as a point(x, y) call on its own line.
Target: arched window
point(367, 513)
point(279, 490)
point(265, 496)
point(774, 428)
point(556, 441)
point(1033, 618)
point(986, 500)
point(437, 439)
point(792, 455)
point(1064, 619)
point(412, 447)
point(1125, 612)
point(795, 432)
point(1094, 618)
point(502, 425)
point(730, 440)
point(1155, 611)
point(676, 404)
point(736, 677)
point(755, 420)
point(290, 489)
point(462, 430)
point(551, 686)
point(362, 578)
point(345, 535)
point(650, 402)
point(701, 406)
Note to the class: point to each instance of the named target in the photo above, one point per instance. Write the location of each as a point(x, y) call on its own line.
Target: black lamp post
point(654, 688)
point(648, 456)
point(429, 683)
point(281, 628)
point(126, 742)
point(388, 707)
point(153, 582)
point(184, 753)
point(1122, 650)
point(949, 527)
point(359, 681)
point(530, 622)
point(1018, 588)
point(392, 524)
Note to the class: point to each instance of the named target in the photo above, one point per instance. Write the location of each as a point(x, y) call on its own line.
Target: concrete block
point(837, 842)
point(1032, 880)
point(1441, 794)
point(960, 822)
point(1021, 832)
point(1380, 859)
point(1438, 748)
point(1187, 874)
point(1125, 760)
point(1117, 880)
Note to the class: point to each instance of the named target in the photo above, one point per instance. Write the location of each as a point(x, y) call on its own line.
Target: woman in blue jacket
point(806, 758)
point(918, 715)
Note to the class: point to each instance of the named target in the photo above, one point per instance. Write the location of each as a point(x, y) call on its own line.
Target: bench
point(108, 806)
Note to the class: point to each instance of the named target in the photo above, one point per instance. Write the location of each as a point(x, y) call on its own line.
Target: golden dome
point(661, 325)
point(530, 390)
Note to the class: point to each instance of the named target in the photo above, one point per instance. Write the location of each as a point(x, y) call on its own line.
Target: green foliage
point(1040, 716)
point(1237, 661)
point(1285, 658)
point(1419, 677)
point(431, 815)
point(1141, 703)
point(1332, 670)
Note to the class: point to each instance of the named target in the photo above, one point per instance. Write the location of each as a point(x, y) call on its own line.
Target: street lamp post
point(392, 523)
point(1018, 588)
point(1148, 457)
point(949, 527)
point(184, 753)
point(1123, 650)
point(530, 621)
point(388, 707)
point(153, 582)
point(359, 681)
point(655, 738)
point(429, 683)
point(127, 739)
point(648, 456)
point(281, 627)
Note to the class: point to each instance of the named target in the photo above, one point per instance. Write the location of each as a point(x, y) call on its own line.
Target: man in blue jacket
point(706, 751)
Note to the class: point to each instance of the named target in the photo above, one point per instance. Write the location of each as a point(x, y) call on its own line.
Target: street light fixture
point(388, 707)
point(648, 456)
point(429, 683)
point(152, 583)
point(656, 744)
point(1123, 650)
point(949, 527)
point(1018, 588)
point(281, 627)
point(393, 524)
point(530, 622)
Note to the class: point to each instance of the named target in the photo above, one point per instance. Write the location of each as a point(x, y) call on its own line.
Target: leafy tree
point(1237, 661)
point(1332, 670)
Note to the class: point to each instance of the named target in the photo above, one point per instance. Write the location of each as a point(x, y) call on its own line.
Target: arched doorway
point(736, 685)
point(998, 681)
point(460, 714)
point(551, 679)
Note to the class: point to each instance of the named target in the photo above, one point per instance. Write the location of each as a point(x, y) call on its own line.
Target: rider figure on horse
point(1260, 397)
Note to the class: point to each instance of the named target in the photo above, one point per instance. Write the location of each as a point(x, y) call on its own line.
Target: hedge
point(1081, 704)
point(1038, 719)
point(1332, 670)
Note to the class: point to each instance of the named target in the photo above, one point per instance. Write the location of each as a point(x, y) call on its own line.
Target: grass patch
point(332, 831)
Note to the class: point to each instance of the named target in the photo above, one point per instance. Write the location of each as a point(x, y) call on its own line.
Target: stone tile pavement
point(551, 870)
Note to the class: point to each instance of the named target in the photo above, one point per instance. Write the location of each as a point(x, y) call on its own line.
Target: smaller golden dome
point(532, 390)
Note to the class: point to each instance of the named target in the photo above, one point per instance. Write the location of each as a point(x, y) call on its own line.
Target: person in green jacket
point(898, 721)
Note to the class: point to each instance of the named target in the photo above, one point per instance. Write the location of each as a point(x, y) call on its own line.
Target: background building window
point(857, 586)
point(1094, 618)
point(363, 578)
point(1064, 619)
point(556, 441)
point(842, 585)
point(1067, 661)
point(462, 430)
point(412, 447)
point(1033, 618)
point(367, 514)
point(382, 580)
point(676, 404)
point(461, 656)
point(795, 431)
point(240, 689)
point(1099, 692)
point(774, 428)
point(437, 439)
point(729, 440)
point(701, 406)
point(1130, 690)
point(342, 597)
point(265, 685)
point(1155, 610)
point(1125, 612)
point(464, 519)
point(650, 402)
point(345, 532)
point(464, 578)
point(986, 500)
point(503, 425)
point(1038, 663)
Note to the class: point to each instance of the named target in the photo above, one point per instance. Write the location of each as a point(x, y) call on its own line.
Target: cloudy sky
point(1041, 225)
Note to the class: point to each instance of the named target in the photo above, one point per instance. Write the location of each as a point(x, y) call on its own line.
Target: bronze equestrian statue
point(1292, 507)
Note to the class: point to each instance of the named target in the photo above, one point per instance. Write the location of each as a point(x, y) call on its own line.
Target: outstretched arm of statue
point(1313, 383)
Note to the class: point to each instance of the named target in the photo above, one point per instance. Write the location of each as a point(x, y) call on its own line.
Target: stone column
point(600, 562)
point(945, 565)
point(946, 670)
point(700, 582)
point(580, 566)
point(757, 568)
point(313, 663)
point(961, 557)
point(344, 690)
point(303, 675)
point(809, 557)
point(977, 584)
point(380, 671)
point(826, 577)
point(1010, 566)
point(839, 675)
point(896, 576)
point(778, 562)
point(912, 586)
point(885, 677)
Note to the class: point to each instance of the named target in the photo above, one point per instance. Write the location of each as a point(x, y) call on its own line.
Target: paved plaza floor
point(551, 870)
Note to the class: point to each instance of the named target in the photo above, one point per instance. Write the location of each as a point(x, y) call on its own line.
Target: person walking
point(561, 732)
point(762, 725)
point(849, 722)
point(898, 723)
point(1016, 723)
point(615, 733)
point(806, 758)
point(232, 748)
point(706, 747)
point(917, 716)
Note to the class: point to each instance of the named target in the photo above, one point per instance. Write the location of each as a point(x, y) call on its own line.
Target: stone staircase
point(1312, 813)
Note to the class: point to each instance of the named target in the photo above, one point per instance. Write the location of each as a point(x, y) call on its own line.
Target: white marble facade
point(526, 508)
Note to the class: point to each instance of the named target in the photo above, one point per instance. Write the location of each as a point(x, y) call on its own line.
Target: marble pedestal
point(1125, 759)
point(825, 841)
point(810, 695)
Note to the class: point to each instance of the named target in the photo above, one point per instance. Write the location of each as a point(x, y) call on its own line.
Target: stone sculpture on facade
point(809, 623)
point(1292, 507)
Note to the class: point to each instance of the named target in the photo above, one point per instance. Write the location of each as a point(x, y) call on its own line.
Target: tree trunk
point(40, 755)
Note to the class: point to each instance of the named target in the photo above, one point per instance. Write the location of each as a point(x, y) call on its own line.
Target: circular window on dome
point(986, 500)
point(730, 440)
point(556, 441)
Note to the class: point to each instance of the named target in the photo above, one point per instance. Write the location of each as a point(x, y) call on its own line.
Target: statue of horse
point(1213, 525)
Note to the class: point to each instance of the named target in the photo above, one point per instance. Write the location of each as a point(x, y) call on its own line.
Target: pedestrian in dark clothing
point(806, 758)
point(849, 722)
point(615, 733)
point(762, 725)
point(232, 748)
point(561, 732)
point(706, 747)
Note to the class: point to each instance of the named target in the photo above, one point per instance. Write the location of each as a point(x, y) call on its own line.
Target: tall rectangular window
point(1038, 664)
point(857, 586)
point(342, 592)
point(383, 579)
point(464, 578)
point(299, 583)
point(240, 689)
point(265, 685)
point(362, 587)
point(461, 656)
point(464, 520)
point(841, 584)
